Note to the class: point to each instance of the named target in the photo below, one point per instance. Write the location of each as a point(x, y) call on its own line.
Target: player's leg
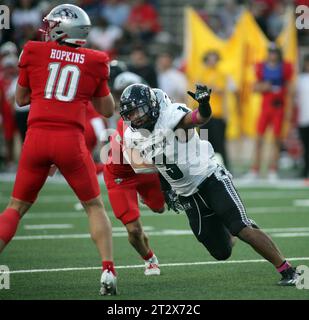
point(256, 166)
point(76, 164)
point(223, 198)
point(100, 227)
point(9, 220)
point(276, 146)
point(277, 121)
point(30, 178)
point(208, 227)
point(123, 199)
point(149, 188)
point(262, 124)
point(140, 241)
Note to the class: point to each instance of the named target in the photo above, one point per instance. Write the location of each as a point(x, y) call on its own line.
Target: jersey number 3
point(64, 88)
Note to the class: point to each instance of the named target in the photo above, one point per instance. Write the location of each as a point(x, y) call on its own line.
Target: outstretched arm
point(202, 114)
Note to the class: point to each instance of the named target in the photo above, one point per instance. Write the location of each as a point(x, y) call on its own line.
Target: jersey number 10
point(60, 88)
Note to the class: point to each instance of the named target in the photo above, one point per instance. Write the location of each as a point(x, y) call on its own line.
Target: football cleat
point(252, 175)
point(108, 284)
point(289, 277)
point(152, 267)
point(273, 176)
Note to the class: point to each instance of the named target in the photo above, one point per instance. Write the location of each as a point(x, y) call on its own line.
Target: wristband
point(204, 109)
point(194, 116)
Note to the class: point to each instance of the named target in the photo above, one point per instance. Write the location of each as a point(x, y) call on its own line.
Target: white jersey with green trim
point(181, 157)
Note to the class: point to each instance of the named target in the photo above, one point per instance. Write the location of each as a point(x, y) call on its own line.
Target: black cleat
point(289, 277)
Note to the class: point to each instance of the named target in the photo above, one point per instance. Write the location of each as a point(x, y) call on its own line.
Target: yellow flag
point(287, 40)
point(255, 46)
point(200, 39)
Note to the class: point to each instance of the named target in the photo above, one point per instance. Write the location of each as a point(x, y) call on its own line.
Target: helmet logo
point(65, 14)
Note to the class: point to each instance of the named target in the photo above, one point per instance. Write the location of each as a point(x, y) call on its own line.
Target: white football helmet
point(125, 79)
point(67, 23)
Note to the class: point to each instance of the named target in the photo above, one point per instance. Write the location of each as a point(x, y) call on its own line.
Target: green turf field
point(52, 257)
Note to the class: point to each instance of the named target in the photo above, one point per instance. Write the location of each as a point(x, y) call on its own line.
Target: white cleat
point(251, 176)
point(108, 284)
point(152, 267)
point(273, 176)
point(78, 206)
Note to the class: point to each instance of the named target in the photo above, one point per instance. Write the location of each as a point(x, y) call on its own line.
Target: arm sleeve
point(23, 77)
point(103, 89)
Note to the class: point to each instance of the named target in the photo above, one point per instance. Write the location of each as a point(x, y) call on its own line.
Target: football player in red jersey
point(58, 78)
point(124, 185)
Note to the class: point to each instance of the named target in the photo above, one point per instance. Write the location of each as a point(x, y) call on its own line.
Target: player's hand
point(201, 94)
point(172, 201)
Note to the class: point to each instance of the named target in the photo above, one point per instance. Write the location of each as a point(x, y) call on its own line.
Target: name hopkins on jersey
point(67, 56)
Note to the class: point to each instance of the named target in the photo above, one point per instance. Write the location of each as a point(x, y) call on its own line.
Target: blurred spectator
point(26, 13)
point(115, 12)
point(258, 10)
point(171, 80)
point(8, 48)
point(9, 72)
point(92, 7)
point(302, 94)
point(229, 14)
point(21, 113)
point(276, 21)
point(214, 78)
point(140, 64)
point(143, 21)
point(103, 36)
point(26, 19)
point(274, 83)
point(217, 26)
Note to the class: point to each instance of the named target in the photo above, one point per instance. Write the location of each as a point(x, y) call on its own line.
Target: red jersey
point(117, 165)
point(62, 80)
point(278, 77)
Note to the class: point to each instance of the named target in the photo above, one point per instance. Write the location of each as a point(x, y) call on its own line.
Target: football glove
point(172, 201)
point(201, 94)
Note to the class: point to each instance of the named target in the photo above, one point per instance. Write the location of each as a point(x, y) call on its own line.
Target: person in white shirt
point(171, 80)
point(302, 94)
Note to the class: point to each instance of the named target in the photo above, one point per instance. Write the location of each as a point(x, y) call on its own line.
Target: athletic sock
point(149, 255)
point(109, 265)
point(9, 220)
point(284, 266)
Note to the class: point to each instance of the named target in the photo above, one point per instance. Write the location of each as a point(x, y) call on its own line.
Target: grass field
point(52, 256)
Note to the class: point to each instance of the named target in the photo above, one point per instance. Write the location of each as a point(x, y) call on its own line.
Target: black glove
point(172, 201)
point(202, 96)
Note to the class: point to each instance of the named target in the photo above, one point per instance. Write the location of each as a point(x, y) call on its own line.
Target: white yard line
point(148, 213)
point(271, 195)
point(120, 232)
point(47, 226)
point(177, 264)
point(241, 183)
point(301, 203)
